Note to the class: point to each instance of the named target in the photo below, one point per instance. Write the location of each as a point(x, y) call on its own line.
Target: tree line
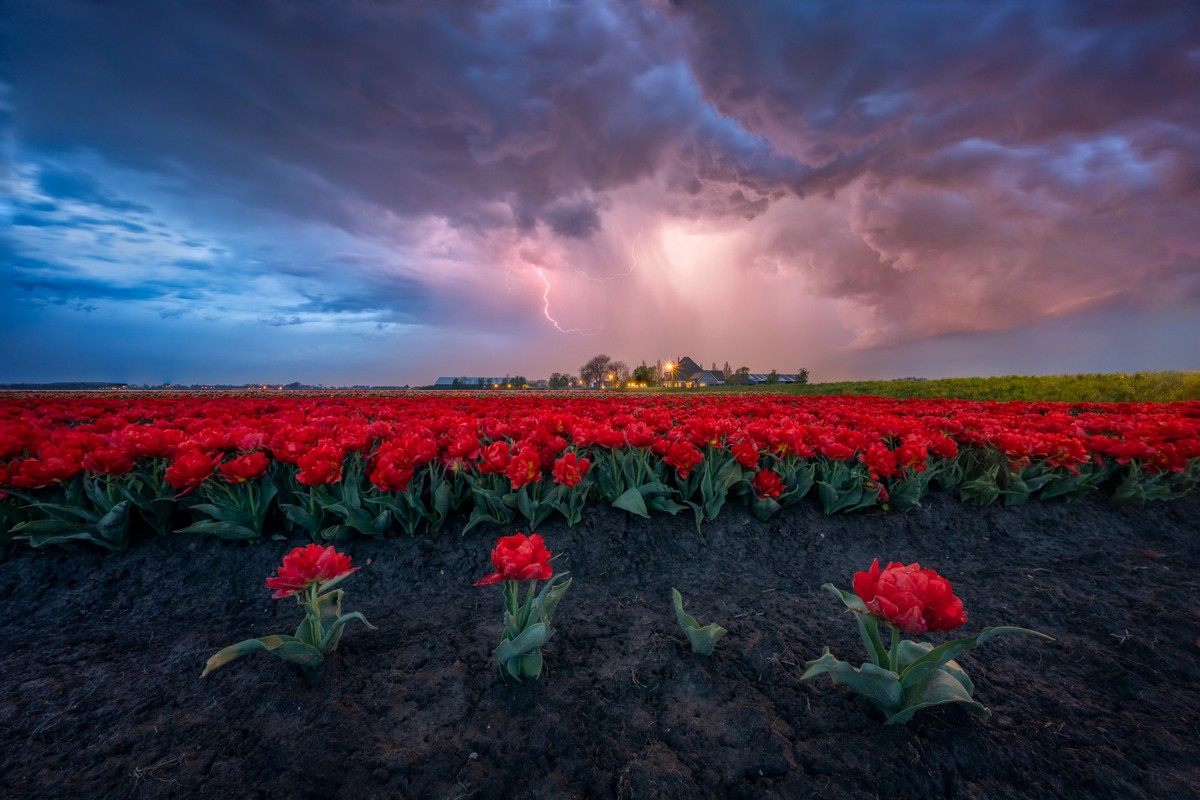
point(600, 371)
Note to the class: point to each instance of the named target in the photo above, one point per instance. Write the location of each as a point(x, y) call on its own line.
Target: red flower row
point(50, 439)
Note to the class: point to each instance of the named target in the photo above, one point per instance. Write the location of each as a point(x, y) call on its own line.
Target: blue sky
point(374, 192)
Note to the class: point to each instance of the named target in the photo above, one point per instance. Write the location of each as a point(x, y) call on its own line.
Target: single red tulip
point(519, 558)
point(913, 599)
point(305, 566)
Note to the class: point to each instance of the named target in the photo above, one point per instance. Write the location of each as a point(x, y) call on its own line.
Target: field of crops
point(1157, 387)
point(93, 468)
point(1038, 512)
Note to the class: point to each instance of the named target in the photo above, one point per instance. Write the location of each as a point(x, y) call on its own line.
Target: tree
point(595, 370)
point(741, 376)
point(802, 375)
point(643, 373)
point(727, 372)
point(517, 382)
point(772, 377)
point(559, 381)
point(619, 370)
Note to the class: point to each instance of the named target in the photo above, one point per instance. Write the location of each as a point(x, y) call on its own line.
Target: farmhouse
point(688, 374)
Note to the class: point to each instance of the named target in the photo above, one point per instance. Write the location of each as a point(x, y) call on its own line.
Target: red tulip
point(495, 458)
point(519, 558)
point(570, 469)
point(913, 599)
point(321, 464)
point(191, 468)
point(305, 566)
point(525, 467)
point(684, 458)
point(393, 472)
point(108, 461)
point(245, 468)
point(746, 454)
point(767, 483)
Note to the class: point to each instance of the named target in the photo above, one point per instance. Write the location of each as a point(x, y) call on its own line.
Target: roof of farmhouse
point(689, 370)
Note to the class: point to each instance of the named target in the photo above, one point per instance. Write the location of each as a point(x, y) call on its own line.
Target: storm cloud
point(849, 186)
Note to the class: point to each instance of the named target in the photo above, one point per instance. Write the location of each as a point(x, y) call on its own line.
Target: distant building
point(687, 374)
point(708, 377)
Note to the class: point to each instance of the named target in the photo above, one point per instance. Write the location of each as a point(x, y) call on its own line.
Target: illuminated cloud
point(375, 192)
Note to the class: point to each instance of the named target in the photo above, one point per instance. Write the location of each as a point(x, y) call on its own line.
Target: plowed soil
point(102, 696)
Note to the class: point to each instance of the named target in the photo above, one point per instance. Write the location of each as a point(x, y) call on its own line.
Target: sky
point(372, 192)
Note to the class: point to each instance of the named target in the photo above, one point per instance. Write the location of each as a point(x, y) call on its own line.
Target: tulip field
point(91, 468)
point(769, 596)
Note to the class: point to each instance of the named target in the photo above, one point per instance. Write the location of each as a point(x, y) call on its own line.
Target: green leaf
point(799, 479)
point(909, 651)
point(524, 504)
point(479, 515)
point(938, 688)
point(914, 672)
point(907, 493)
point(441, 503)
point(287, 647)
point(225, 530)
point(868, 627)
point(880, 685)
point(548, 598)
point(702, 639)
point(666, 504)
point(1069, 487)
point(655, 489)
point(844, 489)
point(530, 639)
point(37, 527)
point(356, 518)
point(300, 517)
point(764, 508)
point(110, 531)
point(631, 500)
point(305, 632)
point(225, 514)
point(334, 634)
point(982, 490)
point(530, 665)
point(334, 533)
point(83, 515)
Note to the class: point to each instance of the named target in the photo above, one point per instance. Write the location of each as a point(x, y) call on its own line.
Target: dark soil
point(102, 696)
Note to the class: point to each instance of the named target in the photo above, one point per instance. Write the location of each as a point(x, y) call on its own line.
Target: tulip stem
point(314, 615)
point(894, 650)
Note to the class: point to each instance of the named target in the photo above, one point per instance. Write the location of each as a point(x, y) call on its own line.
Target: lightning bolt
point(546, 307)
point(541, 273)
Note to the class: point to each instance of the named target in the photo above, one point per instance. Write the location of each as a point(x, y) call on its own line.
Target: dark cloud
point(312, 107)
point(71, 185)
point(863, 87)
point(574, 220)
point(67, 289)
point(939, 169)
